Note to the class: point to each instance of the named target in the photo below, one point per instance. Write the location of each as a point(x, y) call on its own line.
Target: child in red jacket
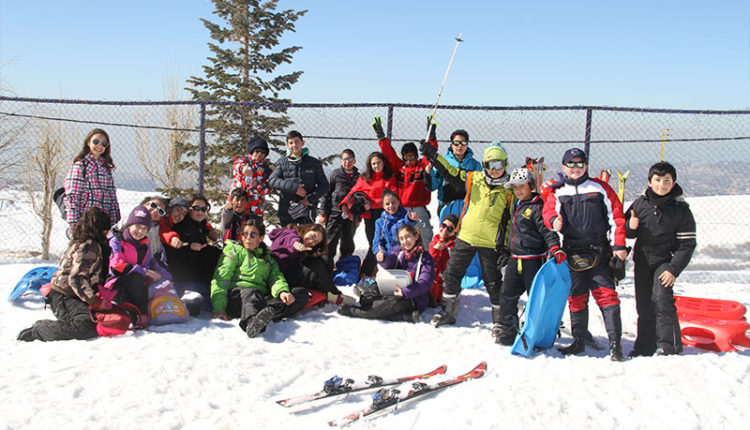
point(413, 176)
point(440, 249)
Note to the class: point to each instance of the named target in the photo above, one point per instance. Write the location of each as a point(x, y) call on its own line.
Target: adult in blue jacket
point(458, 155)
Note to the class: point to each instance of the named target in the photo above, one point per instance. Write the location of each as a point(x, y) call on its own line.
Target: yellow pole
point(664, 135)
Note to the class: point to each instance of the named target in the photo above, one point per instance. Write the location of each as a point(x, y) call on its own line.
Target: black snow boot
point(258, 323)
point(615, 351)
point(578, 346)
point(26, 335)
point(450, 311)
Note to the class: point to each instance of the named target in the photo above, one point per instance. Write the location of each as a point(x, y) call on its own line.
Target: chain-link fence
point(711, 150)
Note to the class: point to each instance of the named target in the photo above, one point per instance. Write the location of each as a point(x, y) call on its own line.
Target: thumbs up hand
point(634, 221)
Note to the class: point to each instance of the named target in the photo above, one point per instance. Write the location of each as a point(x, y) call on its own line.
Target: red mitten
point(559, 254)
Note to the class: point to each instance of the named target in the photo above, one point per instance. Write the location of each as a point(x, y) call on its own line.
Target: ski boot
point(615, 351)
point(448, 314)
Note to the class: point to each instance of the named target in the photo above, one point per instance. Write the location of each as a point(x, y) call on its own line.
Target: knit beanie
point(178, 201)
point(139, 215)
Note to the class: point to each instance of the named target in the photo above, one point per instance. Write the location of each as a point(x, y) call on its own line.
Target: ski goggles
point(158, 209)
point(409, 157)
point(459, 142)
point(495, 164)
point(571, 164)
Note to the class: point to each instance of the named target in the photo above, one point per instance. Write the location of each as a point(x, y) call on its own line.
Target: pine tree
point(242, 70)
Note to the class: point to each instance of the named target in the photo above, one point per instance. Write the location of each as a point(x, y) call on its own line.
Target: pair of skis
point(387, 397)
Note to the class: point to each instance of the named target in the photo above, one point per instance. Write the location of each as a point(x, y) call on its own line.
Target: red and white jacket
point(413, 182)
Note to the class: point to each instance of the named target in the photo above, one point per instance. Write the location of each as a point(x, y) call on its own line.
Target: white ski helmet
point(520, 176)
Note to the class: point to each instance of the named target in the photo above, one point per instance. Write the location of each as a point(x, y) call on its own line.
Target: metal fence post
point(587, 135)
point(202, 157)
point(389, 126)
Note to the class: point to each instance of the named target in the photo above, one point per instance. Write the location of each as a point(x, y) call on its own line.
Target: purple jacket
point(282, 248)
point(419, 291)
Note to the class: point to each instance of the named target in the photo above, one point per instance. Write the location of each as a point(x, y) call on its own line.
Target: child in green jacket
point(248, 284)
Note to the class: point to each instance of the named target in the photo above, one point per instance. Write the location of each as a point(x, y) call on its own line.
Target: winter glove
point(617, 268)
point(502, 258)
point(431, 128)
point(427, 150)
point(559, 254)
point(378, 127)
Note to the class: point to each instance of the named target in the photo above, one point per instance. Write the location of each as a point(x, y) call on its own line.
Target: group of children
point(498, 216)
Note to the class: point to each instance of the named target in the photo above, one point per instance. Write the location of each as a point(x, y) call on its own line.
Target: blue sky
point(671, 54)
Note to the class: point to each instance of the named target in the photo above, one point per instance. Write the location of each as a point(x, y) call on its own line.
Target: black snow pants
point(73, 321)
point(658, 326)
point(517, 281)
point(244, 303)
point(459, 262)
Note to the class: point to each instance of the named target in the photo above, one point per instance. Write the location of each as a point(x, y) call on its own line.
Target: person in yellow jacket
point(482, 228)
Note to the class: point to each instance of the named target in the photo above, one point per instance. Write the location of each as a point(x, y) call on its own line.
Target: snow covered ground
point(208, 374)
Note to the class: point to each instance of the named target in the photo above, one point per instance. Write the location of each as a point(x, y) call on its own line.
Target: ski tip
point(282, 402)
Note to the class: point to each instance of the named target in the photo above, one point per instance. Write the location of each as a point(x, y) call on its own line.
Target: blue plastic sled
point(544, 309)
point(33, 280)
point(473, 277)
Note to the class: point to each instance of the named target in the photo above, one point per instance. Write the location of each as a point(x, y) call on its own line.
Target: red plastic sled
point(712, 324)
point(316, 298)
point(710, 308)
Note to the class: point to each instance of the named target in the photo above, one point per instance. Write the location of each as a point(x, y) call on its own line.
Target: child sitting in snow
point(393, 217)
point(408, 302)
point(248, 284)
point(440, 250)
point(298, 251)
point(177, 209)
point(131, 262)
point(74, 292)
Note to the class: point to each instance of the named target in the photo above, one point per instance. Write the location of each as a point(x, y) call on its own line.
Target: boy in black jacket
point(338, 227)
point(528, 241)
point(664, 229)
point(300, 181)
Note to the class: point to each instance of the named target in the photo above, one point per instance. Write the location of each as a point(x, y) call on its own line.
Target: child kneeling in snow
point(408, 302)
point(248, 284)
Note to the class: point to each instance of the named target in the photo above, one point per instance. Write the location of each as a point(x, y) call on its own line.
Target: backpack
point(117, 320)
point(59, 197)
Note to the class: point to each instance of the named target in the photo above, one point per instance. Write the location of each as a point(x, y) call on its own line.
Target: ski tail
point(346, 386)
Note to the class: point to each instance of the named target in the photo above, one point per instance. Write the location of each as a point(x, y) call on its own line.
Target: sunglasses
point(495, 164)
point(572, 164)
point(159, 210)
point(103, 143)
point(460, 142)
point(409, 157)
point(450, 228)
point(252, 234)
point(199, 208)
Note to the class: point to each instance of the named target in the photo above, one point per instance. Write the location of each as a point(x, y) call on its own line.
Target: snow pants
point(369, 263)
point(244, 303)
point(132, 288)
point(339, 229)
point(658, 326)
point(388, 308)
point(460, 260)
point(519, 275)
point(73, 321)
point(597, 280)
point(315, 275)
point(187, 265)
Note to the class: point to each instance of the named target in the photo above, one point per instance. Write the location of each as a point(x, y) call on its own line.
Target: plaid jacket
point(260, 171)
point(95, 189)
